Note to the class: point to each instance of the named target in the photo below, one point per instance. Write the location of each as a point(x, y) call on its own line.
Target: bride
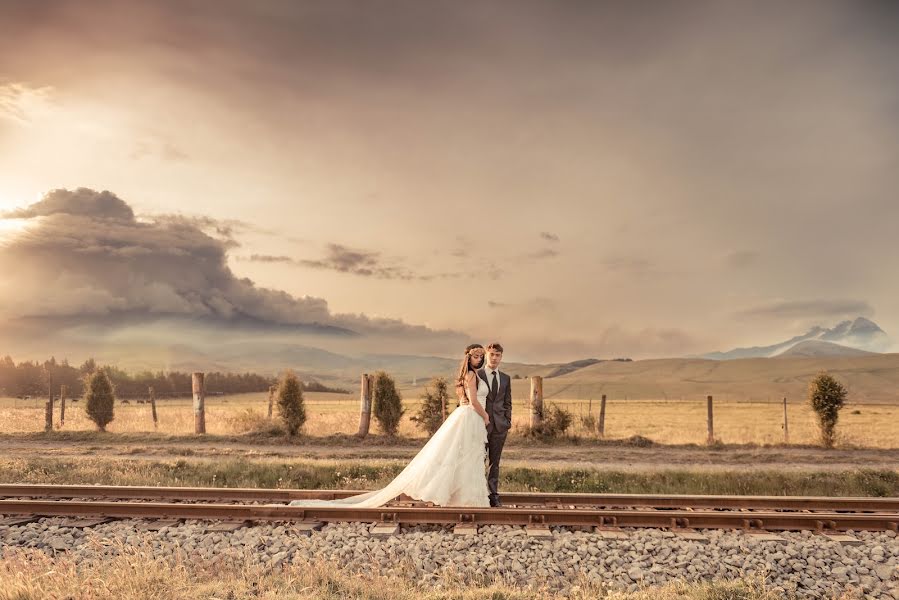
point(449, 469)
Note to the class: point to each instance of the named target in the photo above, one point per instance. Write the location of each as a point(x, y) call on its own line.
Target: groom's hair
point(495, 346)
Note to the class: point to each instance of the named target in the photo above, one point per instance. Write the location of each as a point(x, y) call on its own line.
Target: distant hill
point(572, 366)
point(861, 333)
point(869, 378)
point(820, 348)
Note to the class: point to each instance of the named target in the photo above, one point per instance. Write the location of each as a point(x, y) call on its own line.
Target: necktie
point(493, 385)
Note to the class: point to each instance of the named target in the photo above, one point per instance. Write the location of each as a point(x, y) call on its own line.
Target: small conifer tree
point(387, 403)
point(827, 396)
point(291, 407)
point(99, 399)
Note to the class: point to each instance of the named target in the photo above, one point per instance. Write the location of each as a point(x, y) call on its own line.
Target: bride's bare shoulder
point(469, 376)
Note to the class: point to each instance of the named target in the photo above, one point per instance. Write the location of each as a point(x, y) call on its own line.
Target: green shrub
point(555, 423)
point(827, 396)
point(99, 399)
point(588, 423)
point(253, 422)
point(291, 407)
point(435, 397)
point(387, 403)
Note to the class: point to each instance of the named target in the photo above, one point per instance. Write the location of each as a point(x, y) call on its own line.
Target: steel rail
point(512, 499)
point(533, 516)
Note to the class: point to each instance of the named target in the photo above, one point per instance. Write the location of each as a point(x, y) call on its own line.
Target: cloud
point(622, 263)
point(808, 309)
point(543, 253)
point(364, 263)
point(225, 229)
point(88, 256)
point(82, 202)
point(159, 147)
point(652, 341)
point(605, 343)
point(549, 237)
point(268, 258)
point(356, 262)
point(343, 259)
point(741, 259)
point(539, 304)
point(22, 103)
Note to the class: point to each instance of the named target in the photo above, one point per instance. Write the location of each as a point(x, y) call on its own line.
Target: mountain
point(820, 349)
point(861, 334)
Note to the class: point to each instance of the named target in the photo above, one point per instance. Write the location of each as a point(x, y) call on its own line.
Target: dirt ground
point(517, 453)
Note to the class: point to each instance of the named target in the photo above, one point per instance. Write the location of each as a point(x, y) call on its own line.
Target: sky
point(570, 178)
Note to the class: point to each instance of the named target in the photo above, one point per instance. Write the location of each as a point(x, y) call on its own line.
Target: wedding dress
point(448, 470)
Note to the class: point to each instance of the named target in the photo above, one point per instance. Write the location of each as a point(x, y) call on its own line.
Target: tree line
point(35, 378)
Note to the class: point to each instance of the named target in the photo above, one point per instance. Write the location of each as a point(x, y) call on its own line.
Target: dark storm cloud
point(809, 308)
point(714, 125)
point(87, 255)
point(225, 229)
point(81, 202)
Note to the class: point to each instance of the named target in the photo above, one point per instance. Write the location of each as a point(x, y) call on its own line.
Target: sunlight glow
point(10, 227)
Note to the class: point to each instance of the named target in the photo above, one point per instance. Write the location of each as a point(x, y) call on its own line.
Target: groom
point(499, 409)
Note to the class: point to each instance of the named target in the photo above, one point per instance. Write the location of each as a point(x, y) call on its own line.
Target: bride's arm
point(472, 386)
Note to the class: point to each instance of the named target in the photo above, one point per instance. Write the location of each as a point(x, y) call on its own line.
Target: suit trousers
point(495, 442)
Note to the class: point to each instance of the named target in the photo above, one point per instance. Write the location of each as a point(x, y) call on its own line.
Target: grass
point(663, 421)
point(294, 474)
point(138, 572)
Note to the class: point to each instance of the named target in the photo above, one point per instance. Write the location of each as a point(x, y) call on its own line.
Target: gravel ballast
point(806, 563)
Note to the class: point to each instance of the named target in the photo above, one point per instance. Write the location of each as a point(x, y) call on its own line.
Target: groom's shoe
point(495, 503)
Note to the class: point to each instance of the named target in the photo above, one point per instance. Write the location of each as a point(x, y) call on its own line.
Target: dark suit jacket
point(498, 408)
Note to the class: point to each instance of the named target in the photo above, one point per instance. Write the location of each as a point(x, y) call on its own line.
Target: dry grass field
point(662, 421)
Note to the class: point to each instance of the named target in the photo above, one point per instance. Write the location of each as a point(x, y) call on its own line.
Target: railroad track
point(536, 510)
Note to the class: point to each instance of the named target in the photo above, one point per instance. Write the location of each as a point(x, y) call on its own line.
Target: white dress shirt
point(489, 373)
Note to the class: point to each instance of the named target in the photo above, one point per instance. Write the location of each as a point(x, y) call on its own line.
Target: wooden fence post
point(602, 416)
point(711, 419)
point(271, 399)
point(786, 425)
point(152, 393)
point(48, 409)
point(62, 405)
point(198, 383)
point(365, 392)
point(536, 401)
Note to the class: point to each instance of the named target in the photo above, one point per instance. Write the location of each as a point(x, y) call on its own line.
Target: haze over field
point(297, 184)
